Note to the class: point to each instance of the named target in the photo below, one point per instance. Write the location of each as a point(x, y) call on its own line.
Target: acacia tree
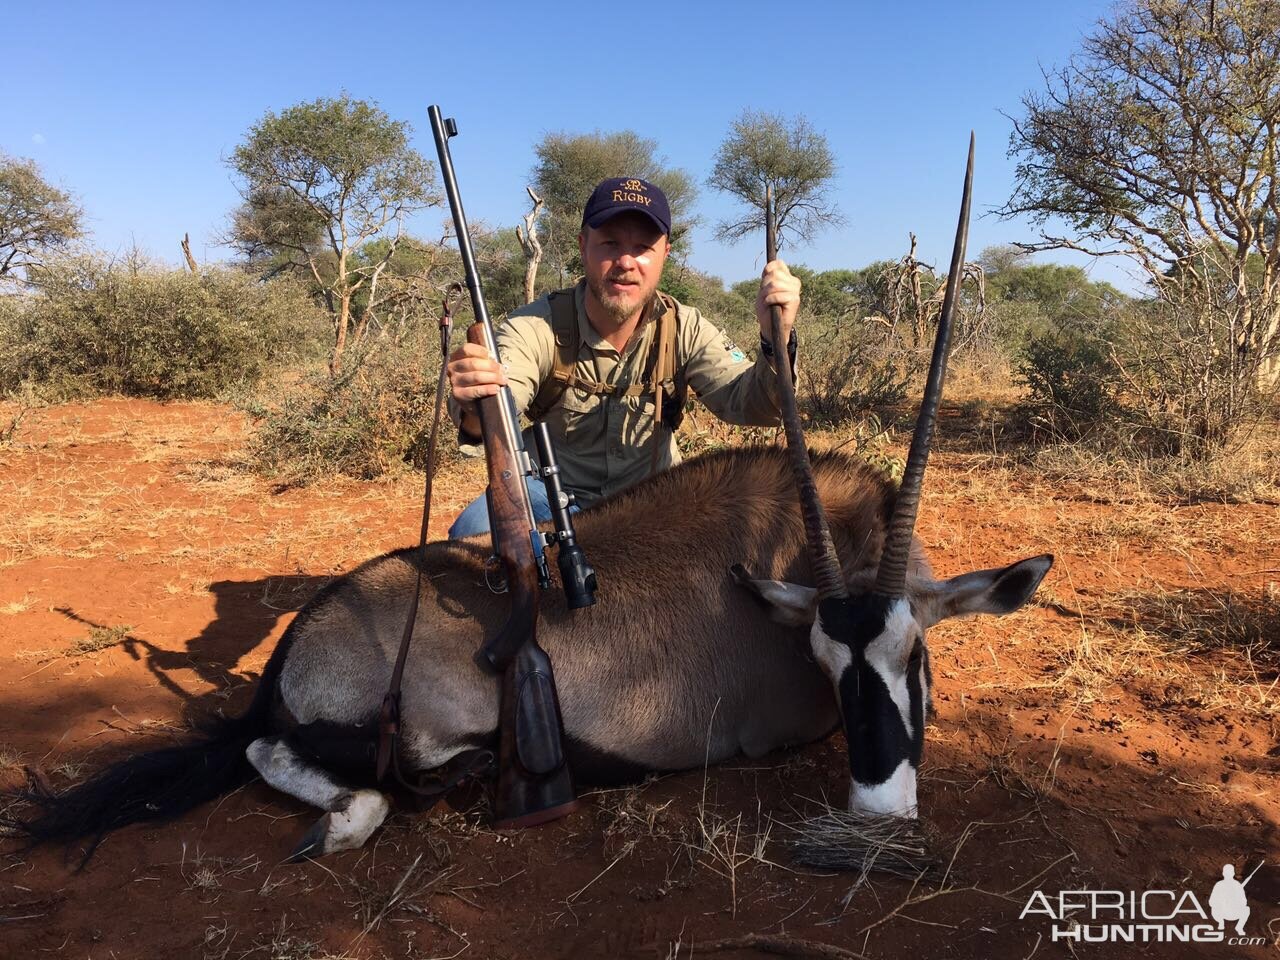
point(764, 150)
point(320, 181)
point(1158, 141)
point(36, 218)
point(569, 166)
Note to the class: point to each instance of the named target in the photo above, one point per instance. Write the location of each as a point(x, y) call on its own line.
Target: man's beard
point(618, 309)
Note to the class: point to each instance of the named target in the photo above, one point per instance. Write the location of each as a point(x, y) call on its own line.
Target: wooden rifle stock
point(512, 542)
point(534, 784)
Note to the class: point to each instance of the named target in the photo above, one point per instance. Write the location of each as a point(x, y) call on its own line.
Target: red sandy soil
point(1117, 734)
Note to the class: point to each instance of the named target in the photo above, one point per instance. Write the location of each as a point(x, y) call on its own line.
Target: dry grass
point(283, 943)
point(190, 425)
point(18, 408)
point(836, 839)
point(1206, 650)
point(13, 608)
point(980, 378)
point(388, 889)
point(98, 639)
point(70, 770)
point(1019, 776)
point(1171, 648)
point(380, 899)
point(1247, 473)
point(10, 758)
point(207, 875)
point(176, 496)
point(727, 845)
point(624, 816)
point(1205, 619)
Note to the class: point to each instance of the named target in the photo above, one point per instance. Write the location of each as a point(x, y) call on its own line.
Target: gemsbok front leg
point(350, 815)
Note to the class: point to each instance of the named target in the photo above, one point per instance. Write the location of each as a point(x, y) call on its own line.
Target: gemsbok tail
point(153, 786)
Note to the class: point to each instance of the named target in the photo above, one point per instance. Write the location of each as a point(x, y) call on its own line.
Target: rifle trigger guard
point(490, 565)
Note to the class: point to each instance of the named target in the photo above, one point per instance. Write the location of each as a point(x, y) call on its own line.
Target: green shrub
point(94, 327)
point(369, 421)
point(729, 310)
point(1190, 387)
point(851, 369)
point(1159, 378)
point(1073, 384)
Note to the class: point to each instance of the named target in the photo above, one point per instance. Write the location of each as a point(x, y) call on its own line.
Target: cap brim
point(605, 216)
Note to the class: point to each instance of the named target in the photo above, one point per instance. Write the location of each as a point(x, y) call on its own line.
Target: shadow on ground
point(246, 614)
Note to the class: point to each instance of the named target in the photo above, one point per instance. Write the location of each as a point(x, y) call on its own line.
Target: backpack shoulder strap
point(671, 386)
point(660, 365)
point(564, 330)
point(662, 377)
point(664, 366)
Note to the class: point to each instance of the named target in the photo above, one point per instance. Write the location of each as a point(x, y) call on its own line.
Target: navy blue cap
point(620, 194)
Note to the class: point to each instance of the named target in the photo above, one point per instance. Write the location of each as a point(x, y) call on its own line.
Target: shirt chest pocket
point(640, 402)
point(577, 401)
point(578, 410)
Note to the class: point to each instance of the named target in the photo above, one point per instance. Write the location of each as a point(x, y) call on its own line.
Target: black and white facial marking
point(873, 650)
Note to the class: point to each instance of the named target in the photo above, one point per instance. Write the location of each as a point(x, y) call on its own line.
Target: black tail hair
point(153, 786)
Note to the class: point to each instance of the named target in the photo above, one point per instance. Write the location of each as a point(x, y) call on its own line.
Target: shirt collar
point(588, 335)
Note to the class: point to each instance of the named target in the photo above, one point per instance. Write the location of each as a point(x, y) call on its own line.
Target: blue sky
point(134, 106)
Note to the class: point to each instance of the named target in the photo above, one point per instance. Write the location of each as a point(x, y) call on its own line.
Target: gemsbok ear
point(998, 591)
point(787, 603)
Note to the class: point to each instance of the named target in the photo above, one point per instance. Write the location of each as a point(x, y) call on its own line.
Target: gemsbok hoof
point(345, 829)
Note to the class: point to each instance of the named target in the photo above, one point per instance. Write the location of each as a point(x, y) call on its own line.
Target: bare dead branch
point(530, 244)
point(186, 253)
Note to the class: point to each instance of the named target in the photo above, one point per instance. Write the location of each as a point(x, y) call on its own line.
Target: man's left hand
point(778, 286)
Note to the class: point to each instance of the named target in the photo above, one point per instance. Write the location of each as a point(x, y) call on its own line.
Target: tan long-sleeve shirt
point(603, 443)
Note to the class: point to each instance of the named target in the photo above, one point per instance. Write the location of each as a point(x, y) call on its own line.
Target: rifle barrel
point(442, 129)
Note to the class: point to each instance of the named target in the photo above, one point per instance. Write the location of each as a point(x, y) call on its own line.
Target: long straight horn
point(891, 578)
point(822, 551)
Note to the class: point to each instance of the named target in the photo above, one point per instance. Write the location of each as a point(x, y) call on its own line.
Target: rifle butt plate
point(538, 817)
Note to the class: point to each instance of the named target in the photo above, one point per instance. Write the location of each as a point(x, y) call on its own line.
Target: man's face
point(623, 259)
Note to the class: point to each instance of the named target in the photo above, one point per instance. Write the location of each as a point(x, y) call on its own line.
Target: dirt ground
point(1118, 734)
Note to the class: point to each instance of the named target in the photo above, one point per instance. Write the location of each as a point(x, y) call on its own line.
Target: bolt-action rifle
point(534, 784)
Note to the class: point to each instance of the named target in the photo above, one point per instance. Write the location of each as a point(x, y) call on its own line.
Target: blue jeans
point(474, 518)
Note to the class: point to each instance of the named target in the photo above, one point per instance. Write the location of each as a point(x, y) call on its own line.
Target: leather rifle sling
point(389, 716)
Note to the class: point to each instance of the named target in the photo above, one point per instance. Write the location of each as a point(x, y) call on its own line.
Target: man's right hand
point(473, 374)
